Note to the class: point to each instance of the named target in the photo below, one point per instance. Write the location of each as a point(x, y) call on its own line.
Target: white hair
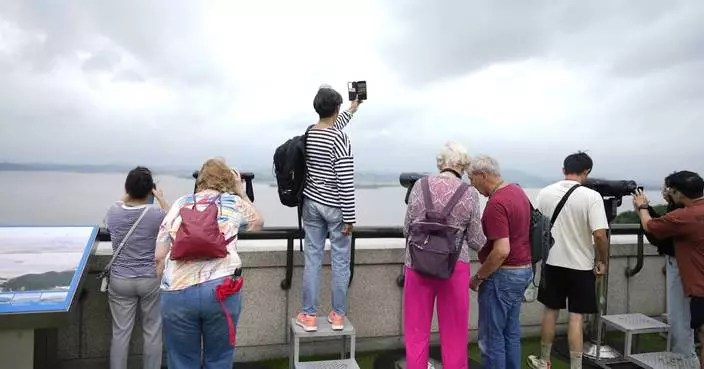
point(453, 155)
point(485, 164)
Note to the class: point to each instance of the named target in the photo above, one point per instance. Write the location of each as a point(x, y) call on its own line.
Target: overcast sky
point(174, 82)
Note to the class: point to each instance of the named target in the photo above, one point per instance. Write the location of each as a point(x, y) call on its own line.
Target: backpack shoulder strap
point(305, 135)
point(122, 244)
point(305, 140)
point(427, 199)
point(561, 204)
point(455, 199)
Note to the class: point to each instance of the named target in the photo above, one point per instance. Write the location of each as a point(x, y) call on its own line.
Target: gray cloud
point(435, 41)
point(646, 97)
point(164, 36)
point(103, 60)
point(637, 99)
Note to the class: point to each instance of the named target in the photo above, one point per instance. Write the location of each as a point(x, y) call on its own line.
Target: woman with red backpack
point(201, 271)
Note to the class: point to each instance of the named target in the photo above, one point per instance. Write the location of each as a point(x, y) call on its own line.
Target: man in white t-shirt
point(570, 273)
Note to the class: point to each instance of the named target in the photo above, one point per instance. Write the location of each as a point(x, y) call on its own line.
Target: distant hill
point(35, 282)
point(526, 180)
point(62, 168)
point(631, 217)
point(365, 179)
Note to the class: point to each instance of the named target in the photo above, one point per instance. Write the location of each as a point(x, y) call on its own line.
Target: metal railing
point(291, 234)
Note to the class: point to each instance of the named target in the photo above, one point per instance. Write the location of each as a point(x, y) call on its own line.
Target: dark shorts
point(696, 309)
point(568, 288)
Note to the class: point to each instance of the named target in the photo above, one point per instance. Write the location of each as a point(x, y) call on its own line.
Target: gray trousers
point(123, 296)
point(678, 313)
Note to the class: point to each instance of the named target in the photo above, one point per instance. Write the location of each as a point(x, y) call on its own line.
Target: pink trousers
point(419, 295)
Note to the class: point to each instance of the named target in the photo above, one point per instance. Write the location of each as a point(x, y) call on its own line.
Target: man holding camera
point(686, 226)
point(677, 303)
point(570, 270)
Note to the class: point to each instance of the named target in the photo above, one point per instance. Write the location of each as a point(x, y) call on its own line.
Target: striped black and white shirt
point(330, 166)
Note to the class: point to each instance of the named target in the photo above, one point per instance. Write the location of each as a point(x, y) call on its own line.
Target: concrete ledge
point(375, 301)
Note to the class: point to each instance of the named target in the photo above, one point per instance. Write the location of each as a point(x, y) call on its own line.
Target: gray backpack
point(432, 242)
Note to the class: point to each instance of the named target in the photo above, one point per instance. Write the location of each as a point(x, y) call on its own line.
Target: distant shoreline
point(365, 180)
point(97, 170)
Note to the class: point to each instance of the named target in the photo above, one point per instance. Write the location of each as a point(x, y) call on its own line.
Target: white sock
point(545, 349)
point(575, 360)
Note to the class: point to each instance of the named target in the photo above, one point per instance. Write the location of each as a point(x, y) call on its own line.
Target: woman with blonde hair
point(201, 271)
point(442, 223)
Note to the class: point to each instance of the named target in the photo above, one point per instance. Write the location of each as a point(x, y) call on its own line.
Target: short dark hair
point(327, 102)
point(689, 184)
point(139, 183)
point(577, 163)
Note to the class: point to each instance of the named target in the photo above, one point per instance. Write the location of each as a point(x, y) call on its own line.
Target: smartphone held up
point(357, 90)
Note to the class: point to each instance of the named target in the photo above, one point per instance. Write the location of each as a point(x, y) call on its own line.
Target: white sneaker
point(535, 362)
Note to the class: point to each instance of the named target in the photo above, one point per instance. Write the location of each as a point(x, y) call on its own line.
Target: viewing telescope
point(612, 192)
point(607, 188)
point(407, 179)
point(247, 177)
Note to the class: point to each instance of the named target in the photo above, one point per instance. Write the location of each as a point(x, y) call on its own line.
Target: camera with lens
point(247, 177)
point(607, 188)
point(357, 90)
point(407, 180)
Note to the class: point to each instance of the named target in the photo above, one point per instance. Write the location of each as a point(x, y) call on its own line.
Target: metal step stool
point(664, 360)
point(324, 330)
point(637, 323)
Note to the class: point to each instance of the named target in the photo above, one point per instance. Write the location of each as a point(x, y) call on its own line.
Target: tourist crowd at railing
point(179, 264)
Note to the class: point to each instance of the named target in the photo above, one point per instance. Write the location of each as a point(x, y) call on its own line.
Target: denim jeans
point(500, 298)
point(318, 221)
point(678, 314)
point(192, 317)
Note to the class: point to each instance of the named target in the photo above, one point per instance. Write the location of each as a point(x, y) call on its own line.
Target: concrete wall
point(375, 302)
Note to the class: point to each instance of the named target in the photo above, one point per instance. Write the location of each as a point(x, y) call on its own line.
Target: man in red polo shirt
point(686, 225)
point(506, 264)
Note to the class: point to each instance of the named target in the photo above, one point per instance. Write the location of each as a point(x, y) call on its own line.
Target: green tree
point(631, 217)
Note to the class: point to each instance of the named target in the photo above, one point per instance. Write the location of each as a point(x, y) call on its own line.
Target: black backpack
point(290, 170)
point(290, 173)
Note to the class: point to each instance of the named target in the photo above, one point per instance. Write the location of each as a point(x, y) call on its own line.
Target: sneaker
point(535, 362)
point(309, 323)
point(337, 321)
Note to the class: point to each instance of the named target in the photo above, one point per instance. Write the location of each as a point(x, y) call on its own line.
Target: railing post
point(286, 283)
point(639, 257)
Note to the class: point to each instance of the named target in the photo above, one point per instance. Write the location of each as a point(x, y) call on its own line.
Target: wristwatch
point(643, 207)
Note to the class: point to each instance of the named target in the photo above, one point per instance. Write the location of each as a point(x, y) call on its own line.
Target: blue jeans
point(319, 221)
point(193, 314)
point(500, 298)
